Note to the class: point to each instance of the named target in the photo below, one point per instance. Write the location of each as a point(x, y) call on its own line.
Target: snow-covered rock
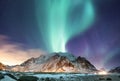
point(7, 78)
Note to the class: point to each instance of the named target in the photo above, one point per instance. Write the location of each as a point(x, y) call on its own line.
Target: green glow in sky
point(62, 21)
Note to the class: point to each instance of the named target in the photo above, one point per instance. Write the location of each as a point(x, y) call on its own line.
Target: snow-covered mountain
point(115, 70)
point(56, 62)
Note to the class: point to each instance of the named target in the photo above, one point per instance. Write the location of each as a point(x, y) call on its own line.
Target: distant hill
point(115, 70)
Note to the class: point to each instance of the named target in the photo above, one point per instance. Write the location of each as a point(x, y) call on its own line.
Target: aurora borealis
point(60, 25)
point(89, 28)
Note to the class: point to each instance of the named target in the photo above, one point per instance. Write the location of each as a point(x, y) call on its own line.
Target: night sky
point(88, 28)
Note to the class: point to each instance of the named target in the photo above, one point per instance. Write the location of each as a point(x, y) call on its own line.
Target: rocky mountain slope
point(56, 62)
point(115, 70)
point(2, 66)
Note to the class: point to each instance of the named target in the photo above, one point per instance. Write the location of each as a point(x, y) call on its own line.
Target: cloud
point(13, 53)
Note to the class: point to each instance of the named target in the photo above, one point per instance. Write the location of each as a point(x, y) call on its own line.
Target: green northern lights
point(59, 27)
